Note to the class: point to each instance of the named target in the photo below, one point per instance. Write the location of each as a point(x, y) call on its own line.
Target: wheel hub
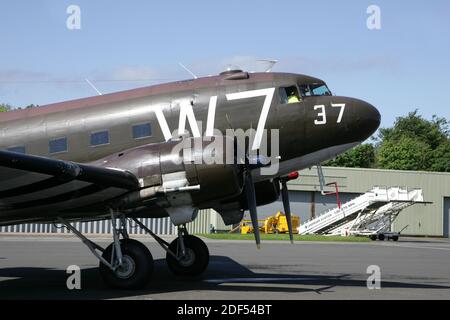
point(126, 270)
point(188, 259)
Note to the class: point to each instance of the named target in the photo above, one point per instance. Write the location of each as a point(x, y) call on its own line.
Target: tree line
point(4, 107)
point(412, 143)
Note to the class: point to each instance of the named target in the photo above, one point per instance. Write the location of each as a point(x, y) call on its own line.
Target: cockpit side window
point(304, 90)
point(289, 95)
point(314, 89)
point(320, 89)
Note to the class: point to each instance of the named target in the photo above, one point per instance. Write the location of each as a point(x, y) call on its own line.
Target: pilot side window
point(99, 138)
point(17, 149)
point(289, 95)
point(314, 89)
point(142, 131)
point(304, 90)
point(320, 89)
point(57, 145)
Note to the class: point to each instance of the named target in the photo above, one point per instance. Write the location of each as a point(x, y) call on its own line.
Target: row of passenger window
point(98, 138)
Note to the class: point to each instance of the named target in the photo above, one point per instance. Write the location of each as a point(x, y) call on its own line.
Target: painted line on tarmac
point(416, 247)
point(257, 280)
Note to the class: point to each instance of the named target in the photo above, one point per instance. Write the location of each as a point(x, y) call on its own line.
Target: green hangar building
point(419, 219)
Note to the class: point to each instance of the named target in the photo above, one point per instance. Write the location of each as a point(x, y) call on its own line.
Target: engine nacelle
point(193, 167)
point(232, 210)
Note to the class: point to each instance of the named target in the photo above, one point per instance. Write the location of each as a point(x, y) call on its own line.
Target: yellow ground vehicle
point(273, 224)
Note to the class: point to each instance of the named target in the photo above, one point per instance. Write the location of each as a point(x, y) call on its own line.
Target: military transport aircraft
point(112, 157)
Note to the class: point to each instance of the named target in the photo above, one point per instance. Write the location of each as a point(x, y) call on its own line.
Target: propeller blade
point(251, 200)
point(287, 208)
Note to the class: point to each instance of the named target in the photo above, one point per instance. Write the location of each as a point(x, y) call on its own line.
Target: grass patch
point(237, 236)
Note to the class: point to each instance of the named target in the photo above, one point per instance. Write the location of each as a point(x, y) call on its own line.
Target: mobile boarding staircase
point(371, 214)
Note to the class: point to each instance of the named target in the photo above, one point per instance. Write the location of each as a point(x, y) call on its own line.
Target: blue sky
point(403, 66)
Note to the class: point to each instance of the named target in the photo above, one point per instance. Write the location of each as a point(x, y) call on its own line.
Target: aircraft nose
point(368, 118)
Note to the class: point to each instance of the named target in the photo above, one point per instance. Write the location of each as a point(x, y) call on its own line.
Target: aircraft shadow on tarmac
point(43, 283)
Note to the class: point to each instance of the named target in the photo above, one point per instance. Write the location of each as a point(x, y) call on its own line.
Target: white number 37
point(322, 114)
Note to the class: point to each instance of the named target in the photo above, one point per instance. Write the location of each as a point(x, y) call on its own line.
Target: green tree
point(433, 133)
point(441, 158)
point(412, 143)
point(415, 143)
point(4, 107)
point(362, 156)
point(404, 153)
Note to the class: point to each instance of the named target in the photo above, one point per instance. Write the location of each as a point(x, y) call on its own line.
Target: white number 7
point(341, 112)
point(268, 93)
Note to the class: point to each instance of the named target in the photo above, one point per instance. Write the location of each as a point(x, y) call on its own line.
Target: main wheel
point(395, 238)
point(373, 237)
point(136, 268)
point(195, 261)
point(381, 237)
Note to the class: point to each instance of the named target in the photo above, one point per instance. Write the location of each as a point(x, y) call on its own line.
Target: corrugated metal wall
point(202, 224)
point(161, 226)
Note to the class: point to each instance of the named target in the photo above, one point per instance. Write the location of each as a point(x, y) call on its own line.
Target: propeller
point(253, 162)
point(286, 202)
point(251, 201)
point(251, 197)
point(287, 207)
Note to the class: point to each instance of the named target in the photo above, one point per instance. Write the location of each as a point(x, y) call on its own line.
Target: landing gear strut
point(125, 263)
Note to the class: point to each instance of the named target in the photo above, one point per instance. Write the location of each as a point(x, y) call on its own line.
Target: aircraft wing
point(34, 188)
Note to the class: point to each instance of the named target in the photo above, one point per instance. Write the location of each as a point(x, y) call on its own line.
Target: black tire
point(381, 237)
point(395, 238)
point(197, 260)
point(373, 237)
point(138, 266)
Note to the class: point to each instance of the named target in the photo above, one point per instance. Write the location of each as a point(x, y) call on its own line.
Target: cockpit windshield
point(314, 89)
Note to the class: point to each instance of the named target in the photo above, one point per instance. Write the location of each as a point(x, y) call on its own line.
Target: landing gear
point(128, 264)
point(187, 255)
point(192, 256)
point(135, 270)
point(124, 264)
